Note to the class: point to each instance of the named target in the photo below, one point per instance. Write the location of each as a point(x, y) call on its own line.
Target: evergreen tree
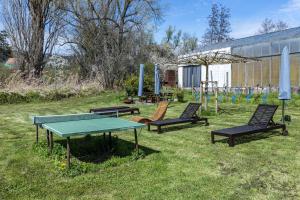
point(218, 25)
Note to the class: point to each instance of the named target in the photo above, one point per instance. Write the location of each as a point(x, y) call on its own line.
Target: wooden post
point(216, 93)
point(200, 98)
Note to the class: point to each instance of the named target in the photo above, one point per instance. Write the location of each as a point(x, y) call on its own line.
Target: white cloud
point(291, 6)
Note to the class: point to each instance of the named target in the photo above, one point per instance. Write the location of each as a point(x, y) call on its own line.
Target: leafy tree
point(172, 38)
point(189, 43)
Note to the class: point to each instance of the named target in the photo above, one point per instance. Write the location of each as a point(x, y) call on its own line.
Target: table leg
point(37, 133)
point(109, 140)
point(48, 138)
point(68, 152)
point(51, 141)
point(136, 140)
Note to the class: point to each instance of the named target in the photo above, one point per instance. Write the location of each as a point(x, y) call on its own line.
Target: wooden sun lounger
point(261, 121)
point(157, 115)
point(188, 115)
point(119, 109)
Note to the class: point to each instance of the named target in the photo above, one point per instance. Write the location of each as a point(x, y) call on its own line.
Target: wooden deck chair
point(157, 115)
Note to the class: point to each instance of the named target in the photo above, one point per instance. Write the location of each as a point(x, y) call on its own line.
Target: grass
point(178, 164)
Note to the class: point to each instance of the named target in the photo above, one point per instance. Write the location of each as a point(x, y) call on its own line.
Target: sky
point(246, 15)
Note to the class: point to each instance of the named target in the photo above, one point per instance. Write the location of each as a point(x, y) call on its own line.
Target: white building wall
point(219, 74)
point(180, 77)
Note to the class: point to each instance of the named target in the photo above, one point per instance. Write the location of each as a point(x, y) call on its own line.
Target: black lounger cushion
point(239, 130)
point(173, 121)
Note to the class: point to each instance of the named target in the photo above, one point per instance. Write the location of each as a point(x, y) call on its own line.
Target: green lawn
point(177, 164)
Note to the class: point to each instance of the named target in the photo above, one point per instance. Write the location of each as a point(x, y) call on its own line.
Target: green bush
point(14, 97)
point(3, 97)
point(180, 95)
point(132, 85)
point(33, 96)
point(55, 96)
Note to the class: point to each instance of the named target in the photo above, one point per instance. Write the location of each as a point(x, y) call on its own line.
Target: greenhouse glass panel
point(234, 74)
point(257, 51)
point(275, 70)
point(275, 48)
point(257, 73)
point(265, 72)
point(294, 46)
point(295, 63)
point(284, 44)
point(241, 74)
point(265, 49)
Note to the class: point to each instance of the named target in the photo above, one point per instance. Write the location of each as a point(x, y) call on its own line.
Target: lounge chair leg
point(37, 134)
point(158, 129)
point(206, 122)
point(231, 141)
point(212, 138)
point(148, 127)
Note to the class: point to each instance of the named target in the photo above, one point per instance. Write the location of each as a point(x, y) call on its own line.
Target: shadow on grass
point(176, 127)
point(96, 149)
point(250, 138)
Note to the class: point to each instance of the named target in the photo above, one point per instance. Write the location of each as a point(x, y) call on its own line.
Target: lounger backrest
point(190, 110)
point(160, 111)
point(263, 115)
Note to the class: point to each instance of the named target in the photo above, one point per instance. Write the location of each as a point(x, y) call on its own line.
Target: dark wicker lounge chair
point(188, 115)
point(261, 121)
point(119, 109)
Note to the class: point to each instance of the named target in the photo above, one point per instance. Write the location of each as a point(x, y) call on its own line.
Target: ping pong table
point(67, 126)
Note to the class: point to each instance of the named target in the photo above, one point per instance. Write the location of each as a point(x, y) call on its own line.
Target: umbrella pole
point(283, 112)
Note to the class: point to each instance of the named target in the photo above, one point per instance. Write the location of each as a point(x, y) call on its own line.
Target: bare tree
point(33, 28)
point(281, 25)
point(269, 26)
point(105, 34)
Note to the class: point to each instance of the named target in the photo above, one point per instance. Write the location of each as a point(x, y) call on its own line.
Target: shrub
point(180, 95)
point(3, 97)
point(132, 84)
point(33, 96)
point(15, 97)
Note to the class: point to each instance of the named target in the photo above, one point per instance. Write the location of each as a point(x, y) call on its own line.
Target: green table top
point(88, 126)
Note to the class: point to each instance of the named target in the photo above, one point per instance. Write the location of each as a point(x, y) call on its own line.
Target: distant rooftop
point(263, 38)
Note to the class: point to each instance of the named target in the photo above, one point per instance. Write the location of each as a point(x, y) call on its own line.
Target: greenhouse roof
point(263, 38)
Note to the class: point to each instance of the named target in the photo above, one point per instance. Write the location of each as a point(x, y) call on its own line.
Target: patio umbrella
point(157, 81)
point(284, 79)
point(141, 80)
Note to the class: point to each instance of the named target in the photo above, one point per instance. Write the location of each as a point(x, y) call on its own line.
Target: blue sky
point(246, 15)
